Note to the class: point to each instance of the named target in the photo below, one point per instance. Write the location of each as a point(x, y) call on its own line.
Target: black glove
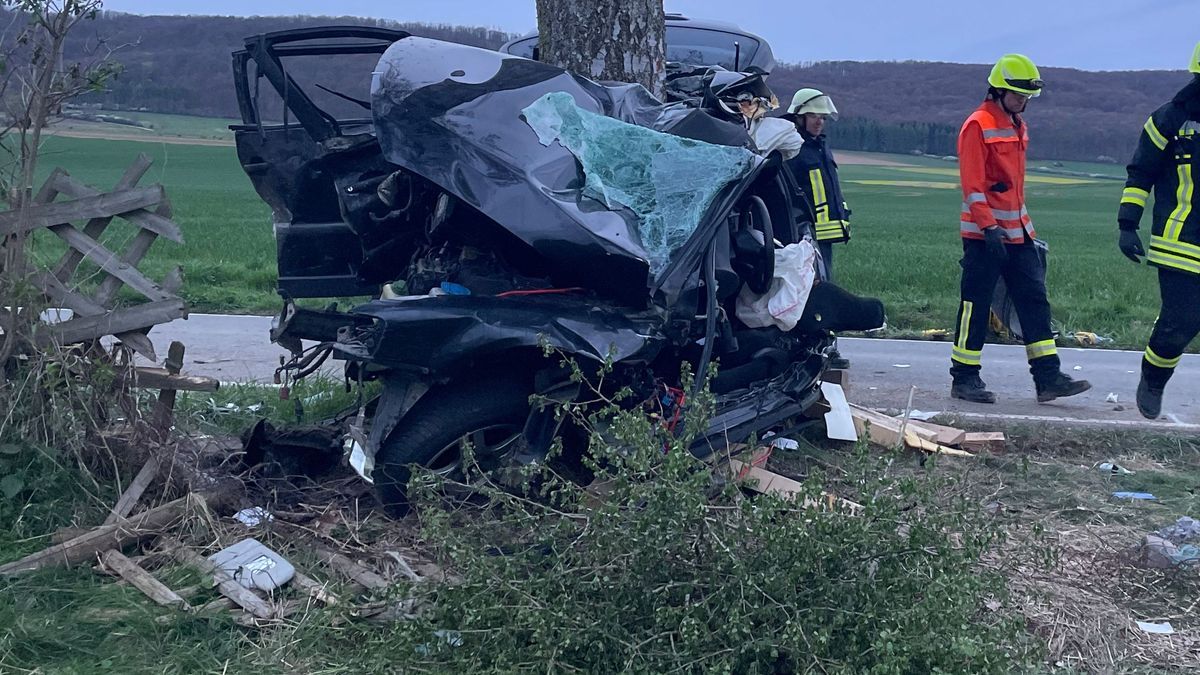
point(994, 238)
point(1131, 245)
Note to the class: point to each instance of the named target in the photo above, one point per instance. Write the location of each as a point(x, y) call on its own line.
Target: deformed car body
point(530, 214)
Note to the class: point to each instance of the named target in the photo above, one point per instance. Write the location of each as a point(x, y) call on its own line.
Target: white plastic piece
point(253, 565)
point(783, 303)
point(359, 461)
point(839, 423)
point(1163, 628)
point(254, 516)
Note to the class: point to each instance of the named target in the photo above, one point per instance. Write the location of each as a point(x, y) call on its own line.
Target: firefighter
point(816, 170)
point(1167, 160)
point(998, 238)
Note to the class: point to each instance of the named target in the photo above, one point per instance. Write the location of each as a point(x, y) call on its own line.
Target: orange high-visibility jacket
point(991, 166)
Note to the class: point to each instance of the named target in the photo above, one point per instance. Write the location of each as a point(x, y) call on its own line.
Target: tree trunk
point(619, 40)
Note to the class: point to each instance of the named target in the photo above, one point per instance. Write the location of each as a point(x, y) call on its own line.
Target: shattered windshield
point(667, 181)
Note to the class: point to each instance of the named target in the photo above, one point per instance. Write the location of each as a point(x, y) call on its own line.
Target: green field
point(160, 124)
point(905, 246)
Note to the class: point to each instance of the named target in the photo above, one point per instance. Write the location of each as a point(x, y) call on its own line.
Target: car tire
point(489, 412)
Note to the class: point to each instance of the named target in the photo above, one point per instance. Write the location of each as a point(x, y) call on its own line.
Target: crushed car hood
point(456, 115)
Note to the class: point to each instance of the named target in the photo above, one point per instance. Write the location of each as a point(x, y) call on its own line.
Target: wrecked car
point(507, 214)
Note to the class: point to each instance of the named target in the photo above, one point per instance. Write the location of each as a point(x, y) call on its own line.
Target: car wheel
point(489, 415)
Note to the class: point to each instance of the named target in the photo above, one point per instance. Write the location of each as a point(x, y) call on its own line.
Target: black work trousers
point(1177, 324)
point(1025, 277)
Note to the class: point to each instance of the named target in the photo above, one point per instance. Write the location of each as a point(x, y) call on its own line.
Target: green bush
point(676, 571)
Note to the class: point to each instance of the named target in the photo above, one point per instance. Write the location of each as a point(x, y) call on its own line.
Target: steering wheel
point(754, 260)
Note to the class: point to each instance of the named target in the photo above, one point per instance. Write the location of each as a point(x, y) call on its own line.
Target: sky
point(1087, 34)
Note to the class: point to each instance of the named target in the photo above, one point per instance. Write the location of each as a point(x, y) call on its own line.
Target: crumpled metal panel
point(452, 114)
point(437, 333)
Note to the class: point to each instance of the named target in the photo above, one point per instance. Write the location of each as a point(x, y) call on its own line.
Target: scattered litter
point(451, 638)
point(1161, 553)
point(992, 605)
point(1184, 529)
point(1134, 496)
point(253, 565)
point(1087, 339)
point(1114, 469)
point(1077, 368)
point(786, 444)
point(1111, 398)
point(839, 423)
point(935, 333)
point(1163, 628)
point(901, 365)
point(922, 415)
point(254, 516)
point(872, 388)
point(1130, 372)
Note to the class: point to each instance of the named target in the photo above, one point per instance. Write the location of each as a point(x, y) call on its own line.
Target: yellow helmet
point(1016, 72)
point(1194, 65)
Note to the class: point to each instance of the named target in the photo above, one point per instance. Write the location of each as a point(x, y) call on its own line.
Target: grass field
point(161, 124)
point(905, 246)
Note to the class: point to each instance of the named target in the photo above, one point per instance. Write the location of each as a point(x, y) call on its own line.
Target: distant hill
point(906, 106)
point(181, 64)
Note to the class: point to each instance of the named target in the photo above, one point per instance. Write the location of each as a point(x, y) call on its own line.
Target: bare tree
point(35, 81)
point(618, 40)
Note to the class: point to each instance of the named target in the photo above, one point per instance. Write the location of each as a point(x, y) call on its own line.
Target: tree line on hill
point(181, 64)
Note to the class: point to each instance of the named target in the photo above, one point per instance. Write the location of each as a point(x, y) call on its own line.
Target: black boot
point(971, 388)
point(1060, 385)
point(1149, 399)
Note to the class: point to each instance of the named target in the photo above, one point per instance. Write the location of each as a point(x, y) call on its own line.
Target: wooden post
point(164, 409)
point(86, 546)
point(134, 492)
point(142, 580)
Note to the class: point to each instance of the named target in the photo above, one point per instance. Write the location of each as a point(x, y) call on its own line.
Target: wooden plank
point(98, 206)
point(86, 546)
point(154, 221)
point(945, 435)
point(989, 441)
point(65, 297)
point(111, 264)
point(122, 320)
point(164, 408)
point(133, 493)
point(314, 588)
point(160, 378)
point(244, 597)
point(109, 286)
point(884, 430)
point(350, 569)
point(768, 482)
point(61, 181)
point(142, 580)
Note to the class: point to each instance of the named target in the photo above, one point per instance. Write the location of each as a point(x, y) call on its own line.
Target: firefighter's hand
point(1131, 245)
point(994, 238)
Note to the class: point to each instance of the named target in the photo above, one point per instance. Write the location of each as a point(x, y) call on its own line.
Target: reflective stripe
point(1177, 254)
point(964, 323)
point(999, 133)
point(820, 201)
point(1005, 214)
point(965, 356)
point(974, 198)
point(1155, 137)
point(1183, 204)
point(1156, 360)
point(1133, 195)
point(1036, 350)
point(1164, 258)
point(967, 226)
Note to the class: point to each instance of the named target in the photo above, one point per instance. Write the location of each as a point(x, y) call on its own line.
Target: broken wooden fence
point(95, 316)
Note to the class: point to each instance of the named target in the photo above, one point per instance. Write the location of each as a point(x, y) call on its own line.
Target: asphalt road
point(882, 374)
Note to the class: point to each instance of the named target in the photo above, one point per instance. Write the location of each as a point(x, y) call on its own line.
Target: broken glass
point(667, 181)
